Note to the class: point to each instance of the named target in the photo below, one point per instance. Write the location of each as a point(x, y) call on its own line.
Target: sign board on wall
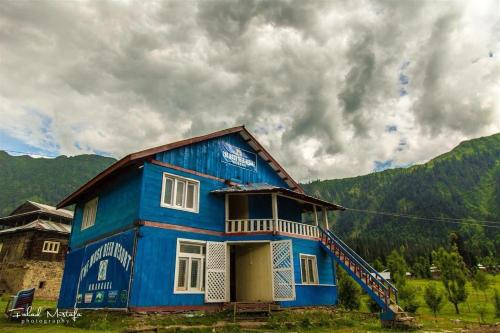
point(105, 272)
point(238, 157)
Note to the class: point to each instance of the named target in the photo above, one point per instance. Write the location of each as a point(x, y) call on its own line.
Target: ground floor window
point(190, 266)
point(308, 269)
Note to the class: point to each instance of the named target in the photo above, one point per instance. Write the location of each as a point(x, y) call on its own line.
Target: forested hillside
point(463, 183)
point(42, 179)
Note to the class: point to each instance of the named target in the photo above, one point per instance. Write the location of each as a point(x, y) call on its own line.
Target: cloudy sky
point(332, 88)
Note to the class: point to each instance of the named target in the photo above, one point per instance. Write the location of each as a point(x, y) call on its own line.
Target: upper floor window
point(89, 213)
point(51, 247)
point(308, 269)
point(180, 193)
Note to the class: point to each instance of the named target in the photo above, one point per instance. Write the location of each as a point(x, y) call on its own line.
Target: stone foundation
point(45, 276)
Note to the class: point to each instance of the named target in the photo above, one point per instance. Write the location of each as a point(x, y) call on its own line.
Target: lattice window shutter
point(282, 266)
point(216, 273)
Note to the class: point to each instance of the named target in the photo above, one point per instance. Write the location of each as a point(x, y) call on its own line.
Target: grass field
point(317, 320)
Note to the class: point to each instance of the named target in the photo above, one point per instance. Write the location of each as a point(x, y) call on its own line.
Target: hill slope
point(463, 183)
point(44, 180)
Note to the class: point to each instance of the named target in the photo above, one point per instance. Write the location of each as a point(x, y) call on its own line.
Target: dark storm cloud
point(319, 82)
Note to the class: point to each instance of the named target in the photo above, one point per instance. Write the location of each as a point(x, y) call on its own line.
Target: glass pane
point(181, 273)
point(303, 267)
point(190, 196)
point(190, 248)
point(311, 270)
point(169, 188)
point(195, 271)
point(179, 195)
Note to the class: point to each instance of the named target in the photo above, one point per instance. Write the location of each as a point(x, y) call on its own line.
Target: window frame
point(306, 279)
point(189, 257)
point(187, 182)
point(90, 207)
point(51, 247)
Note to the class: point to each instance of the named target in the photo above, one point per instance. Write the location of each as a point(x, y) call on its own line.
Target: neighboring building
point(33, 245)
point(201, 222)
point(435, 272)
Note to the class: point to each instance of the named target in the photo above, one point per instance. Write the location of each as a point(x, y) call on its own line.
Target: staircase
point(379, 289)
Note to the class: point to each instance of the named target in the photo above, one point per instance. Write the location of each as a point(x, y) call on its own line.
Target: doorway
point(250, 272)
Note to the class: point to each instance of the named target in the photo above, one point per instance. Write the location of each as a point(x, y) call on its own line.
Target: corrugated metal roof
point(267, 188)
point(52, 209)
point(42, 225)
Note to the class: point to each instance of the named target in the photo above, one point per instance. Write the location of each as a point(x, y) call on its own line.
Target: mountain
point(463, 183)
point(44, 180)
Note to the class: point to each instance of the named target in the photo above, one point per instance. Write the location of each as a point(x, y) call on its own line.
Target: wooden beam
point(274, 198)
point(226, 205)
point(315, 216)
point(325, 218)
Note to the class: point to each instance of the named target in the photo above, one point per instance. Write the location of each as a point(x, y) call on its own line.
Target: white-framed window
point(51, 247)
point(308, 269)
point(89, 213)
point(180, 193)
point(190, 267)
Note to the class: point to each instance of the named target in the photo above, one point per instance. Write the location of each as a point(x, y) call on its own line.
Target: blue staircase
point(379, 289)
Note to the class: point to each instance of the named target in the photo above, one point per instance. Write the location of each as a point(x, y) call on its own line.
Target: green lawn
point(316, 320)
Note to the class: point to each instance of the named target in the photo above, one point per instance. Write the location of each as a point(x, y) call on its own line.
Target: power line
point(445, 219)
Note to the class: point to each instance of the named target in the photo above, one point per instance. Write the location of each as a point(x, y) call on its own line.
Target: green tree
point(378, 265)
point(433, 298)
point(452, 269)
point(481, 282)
point(408, 298)
point(397, 266)
point(349, 291)
point(497, 303)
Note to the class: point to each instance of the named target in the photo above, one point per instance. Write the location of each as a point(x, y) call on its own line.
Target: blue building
point(202, 222)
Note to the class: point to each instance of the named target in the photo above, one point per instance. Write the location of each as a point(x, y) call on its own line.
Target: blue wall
point(117, 208)
point(154, 270)
point(69, 283)
point(211, 212)
point(289, 209)
point(206, 157)
point(323, 294)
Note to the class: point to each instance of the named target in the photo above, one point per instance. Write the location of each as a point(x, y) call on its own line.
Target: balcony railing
point(280, 226)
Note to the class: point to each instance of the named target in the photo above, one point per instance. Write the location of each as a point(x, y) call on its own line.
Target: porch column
point(315, 215)
point(274, 198)
point(325, 218)
point(226, 206)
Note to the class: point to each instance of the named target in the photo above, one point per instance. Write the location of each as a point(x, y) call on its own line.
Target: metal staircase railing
point(369, 277)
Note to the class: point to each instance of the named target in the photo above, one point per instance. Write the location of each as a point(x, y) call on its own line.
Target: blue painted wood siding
point(154, 270)
point(117, 208)
point(206, 157)
point(211, 210)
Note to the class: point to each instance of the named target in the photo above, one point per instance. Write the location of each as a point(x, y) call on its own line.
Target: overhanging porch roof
point(262, 188)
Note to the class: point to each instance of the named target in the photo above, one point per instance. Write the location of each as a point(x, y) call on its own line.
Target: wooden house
point(200, 223)
point(33, 245)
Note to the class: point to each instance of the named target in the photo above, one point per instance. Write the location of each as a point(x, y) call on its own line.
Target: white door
point(282, 271)
point(217, 279)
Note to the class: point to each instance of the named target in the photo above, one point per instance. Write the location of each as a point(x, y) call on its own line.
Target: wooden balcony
point(271, 225)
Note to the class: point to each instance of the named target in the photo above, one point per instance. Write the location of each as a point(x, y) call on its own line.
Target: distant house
point(203, 222)
point(33, 245)
point(435, 272)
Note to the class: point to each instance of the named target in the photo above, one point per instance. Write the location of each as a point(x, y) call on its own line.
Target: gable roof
point(148, 154)
point(42, 225)
point(32, 206)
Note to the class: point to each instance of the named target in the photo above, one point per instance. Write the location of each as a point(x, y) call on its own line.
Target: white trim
point(89, 213)
point(51, 247)
point(316, 285)
point(177, 178)
point(315, 269)
point(202, 256)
